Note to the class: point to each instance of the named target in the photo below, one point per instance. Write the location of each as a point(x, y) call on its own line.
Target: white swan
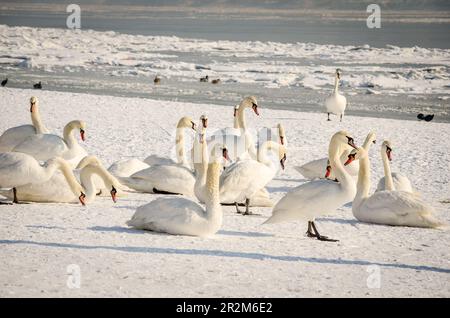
point(396, 181)
point(180, 216)
point(183, 124)
point(15, 135)
point(238, 141)
point(19, 169)
point(336, 102)
point(320, 168)
point(388, 207)
point(46, 146)
point(64, 187)
point(245, 178)
point(129, 166)
point(319, 197)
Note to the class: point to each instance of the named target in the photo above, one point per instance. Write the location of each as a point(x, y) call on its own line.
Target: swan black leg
point(247, 211)
point(15, 196)
point(329, 117)
point(237, 208)
point(341, 117)
point(310, 233)
point(321, 237)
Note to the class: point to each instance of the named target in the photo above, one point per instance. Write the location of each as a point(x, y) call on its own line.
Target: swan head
point(340, 139)
point(236, 107)
point(387, 148)
point(81, 125)
point(250, 102)
point(204, 121)
point(338, 73)
point(33, 103)
point(186, 122)
point(281, 134)
point(356, 154)
point(219, 152)
point(371, 138)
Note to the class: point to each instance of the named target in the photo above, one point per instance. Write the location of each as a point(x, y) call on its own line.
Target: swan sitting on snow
point(46, 146)
point(127, 167)
point(388, 207)
point(396, 181)
point(180, 216)
point(336, 102)
point(16, 135)
point(64, 187)
point(322, 196)
point(19, 169)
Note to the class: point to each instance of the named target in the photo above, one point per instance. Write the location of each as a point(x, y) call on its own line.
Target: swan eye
point(389, 149)
point(351, 142)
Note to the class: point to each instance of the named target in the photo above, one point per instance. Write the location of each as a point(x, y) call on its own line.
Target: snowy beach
point(244, 259)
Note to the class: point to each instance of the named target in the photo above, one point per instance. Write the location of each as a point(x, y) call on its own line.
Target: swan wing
point(158, 160)
point(169, 178)
point(310, 200)
point(14, 136)
point(243, 179)
point(396, 208)
point(43, 146)
point(55, 189)
point(127, 167)
point(17, 169)
point(169, 215)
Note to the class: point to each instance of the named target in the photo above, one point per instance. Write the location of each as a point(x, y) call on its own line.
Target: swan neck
point(363, 185)
point(336, 84)
point(336, 165)
point(236, 121)
point(241, 117)
point(388, 182)
point(179, 145)
point(202, 166)
point(69, 138)
point(213, 208)
point(37, 122)
point(70, 178)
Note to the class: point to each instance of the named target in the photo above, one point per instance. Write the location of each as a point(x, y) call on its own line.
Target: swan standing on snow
point(180, 216)
point(238, 141)
point(46, 146)
point(19, 169)
point(321, 168)
point(389, 207)
point(396, 181)
point(64, 187)
point(319, 197)
point(336, 102)
point(245, 178)
point(16, 135)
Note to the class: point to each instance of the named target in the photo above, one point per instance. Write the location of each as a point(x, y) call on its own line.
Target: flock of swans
point(227, 167)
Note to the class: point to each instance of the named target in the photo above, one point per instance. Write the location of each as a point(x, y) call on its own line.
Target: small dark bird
point(157, 80)
point(204, 79)
point(4, 82)
point(425, 117)
point(38, 85)
point(215, 81)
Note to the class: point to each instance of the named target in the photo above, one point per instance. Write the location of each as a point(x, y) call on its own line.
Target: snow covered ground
point(43, 245)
